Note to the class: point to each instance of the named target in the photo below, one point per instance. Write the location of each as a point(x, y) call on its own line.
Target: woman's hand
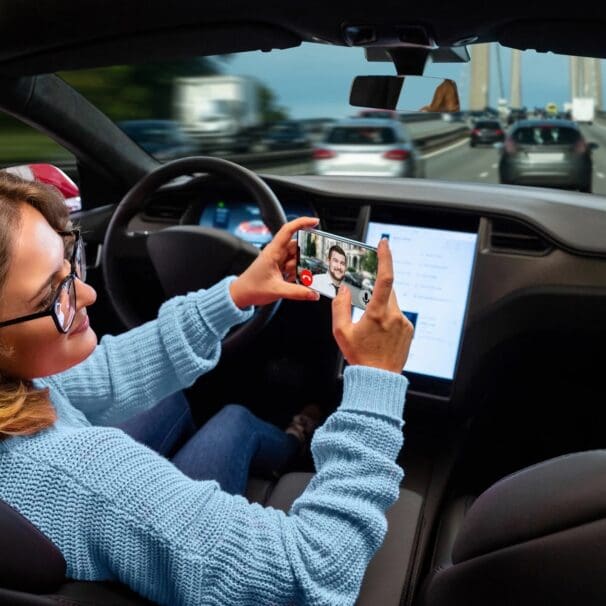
point(382, 337)
point(270, 275)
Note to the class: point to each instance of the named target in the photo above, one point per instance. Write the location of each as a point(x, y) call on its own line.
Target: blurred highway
point(459, 162)
point(452, 160)
point(463, 163)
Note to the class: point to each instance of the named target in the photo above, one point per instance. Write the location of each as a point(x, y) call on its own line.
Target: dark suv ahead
point(486, 131)
point(549, 153)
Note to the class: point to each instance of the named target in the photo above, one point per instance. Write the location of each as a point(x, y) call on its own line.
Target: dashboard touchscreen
point(432, 278)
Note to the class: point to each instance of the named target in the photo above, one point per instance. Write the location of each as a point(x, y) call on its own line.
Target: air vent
point(165, 208)
point(511, 237)
point(339, 219)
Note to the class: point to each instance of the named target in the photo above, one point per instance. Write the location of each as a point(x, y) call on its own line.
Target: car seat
point(537, 536)
point(32, 570)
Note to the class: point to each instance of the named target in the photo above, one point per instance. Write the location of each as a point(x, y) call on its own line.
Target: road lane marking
point(484, 175)
point(494, 165)
point(445, 149)
point(600, 175)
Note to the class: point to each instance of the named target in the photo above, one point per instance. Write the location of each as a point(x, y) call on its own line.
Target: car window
point(361, 135)
point(22, 144)
point(485, 124)
point(546, 135)
point(32, 155)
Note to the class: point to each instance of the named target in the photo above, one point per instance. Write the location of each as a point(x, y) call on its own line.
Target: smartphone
point(326, 262)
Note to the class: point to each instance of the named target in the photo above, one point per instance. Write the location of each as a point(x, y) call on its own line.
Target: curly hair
point(24, 410)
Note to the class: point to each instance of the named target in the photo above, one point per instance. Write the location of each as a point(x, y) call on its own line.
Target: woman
point(225, 449)
point(119, 511)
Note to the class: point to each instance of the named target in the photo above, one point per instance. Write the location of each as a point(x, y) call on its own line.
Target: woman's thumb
point(297, 292)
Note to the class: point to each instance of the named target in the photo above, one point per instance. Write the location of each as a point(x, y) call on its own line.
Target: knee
point(235, 415)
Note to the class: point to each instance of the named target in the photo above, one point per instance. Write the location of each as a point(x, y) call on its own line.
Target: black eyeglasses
point(63, 306)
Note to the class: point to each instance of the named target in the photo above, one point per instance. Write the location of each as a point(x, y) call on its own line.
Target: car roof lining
point(53, 35)
point(220, 38)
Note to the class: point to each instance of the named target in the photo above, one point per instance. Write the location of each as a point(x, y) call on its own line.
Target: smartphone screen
point(326, 262)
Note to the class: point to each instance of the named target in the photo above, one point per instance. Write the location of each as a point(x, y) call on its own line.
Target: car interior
point(503, 500)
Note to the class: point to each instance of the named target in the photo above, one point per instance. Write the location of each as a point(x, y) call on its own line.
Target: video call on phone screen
point(327, 264)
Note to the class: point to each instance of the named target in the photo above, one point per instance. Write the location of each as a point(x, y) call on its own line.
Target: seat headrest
point(549, 497)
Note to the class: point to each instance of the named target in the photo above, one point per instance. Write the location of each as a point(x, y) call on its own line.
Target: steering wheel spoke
point(187, 258)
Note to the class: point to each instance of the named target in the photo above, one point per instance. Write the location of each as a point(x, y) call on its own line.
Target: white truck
point(218, 112)
point(583, 110)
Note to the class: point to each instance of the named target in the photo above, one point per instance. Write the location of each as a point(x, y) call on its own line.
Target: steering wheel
point(187, 257)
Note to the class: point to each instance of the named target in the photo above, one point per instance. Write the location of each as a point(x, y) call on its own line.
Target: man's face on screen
point(336, 266)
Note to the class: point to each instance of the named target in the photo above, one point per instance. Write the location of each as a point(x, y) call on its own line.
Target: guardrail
point(267, 159)
point(262, 160)
point(429, 142)
point(419, 117)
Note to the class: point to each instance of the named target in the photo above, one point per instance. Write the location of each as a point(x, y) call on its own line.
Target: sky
point(314, 80)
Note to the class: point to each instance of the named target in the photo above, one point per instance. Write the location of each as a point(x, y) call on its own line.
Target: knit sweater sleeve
point(121, 512)
point(134, 370)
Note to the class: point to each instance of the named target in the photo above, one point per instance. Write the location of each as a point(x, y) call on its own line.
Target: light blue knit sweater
point(118, 511)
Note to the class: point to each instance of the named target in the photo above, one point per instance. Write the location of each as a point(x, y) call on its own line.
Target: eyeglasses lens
point(80, 260)
point(65, 305)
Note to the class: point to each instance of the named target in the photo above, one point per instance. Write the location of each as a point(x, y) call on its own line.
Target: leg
point(163, 428)
point(230, 444)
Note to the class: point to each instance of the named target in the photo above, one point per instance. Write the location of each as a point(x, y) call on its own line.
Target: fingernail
point(314, 296)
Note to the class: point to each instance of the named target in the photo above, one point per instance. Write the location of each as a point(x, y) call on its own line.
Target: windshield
point(278, 112)
point(147, 133)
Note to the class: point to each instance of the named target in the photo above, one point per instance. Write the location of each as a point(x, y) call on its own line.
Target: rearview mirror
point(405, 93)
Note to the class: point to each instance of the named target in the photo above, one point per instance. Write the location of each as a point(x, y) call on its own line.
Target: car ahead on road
point(284, 135)
point(550, 153)
point(486, 132)
point(506, 286)
point(371, 147)
point(517, 113)
point(163, 139)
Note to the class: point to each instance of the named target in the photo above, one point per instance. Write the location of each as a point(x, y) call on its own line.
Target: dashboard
point(433, 270)
point(478, 268)
point(243, 219)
